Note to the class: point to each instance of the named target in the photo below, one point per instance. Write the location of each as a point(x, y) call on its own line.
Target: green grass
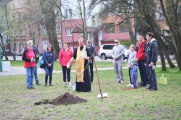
point(18, 103)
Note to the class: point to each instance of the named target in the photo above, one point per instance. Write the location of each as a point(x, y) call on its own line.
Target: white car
point(105, 51)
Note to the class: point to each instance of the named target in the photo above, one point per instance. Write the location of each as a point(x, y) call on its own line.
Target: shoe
point(149, 87)
point(142, 85)
point(32, 88)
point(29, 88)
point(45, 84)
point(64, 83)
point(122, 81)
point(38, 84)
point(50, 85)
point(152, 89)
point(118, 81)
point(129, 85)
point(69, 83)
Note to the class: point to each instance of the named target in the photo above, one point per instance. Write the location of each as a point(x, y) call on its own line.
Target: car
point(126, 52)
point(105, 51)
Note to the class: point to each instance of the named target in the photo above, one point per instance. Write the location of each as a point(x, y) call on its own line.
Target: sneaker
point(69, 83)
point(129, 85)
point(118, 81)
point(50, 85)
point(64, 83)
point(45, 84)
point(122, 81)
point(38, 84)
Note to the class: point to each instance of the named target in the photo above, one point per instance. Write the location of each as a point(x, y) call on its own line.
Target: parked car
point(105, 51)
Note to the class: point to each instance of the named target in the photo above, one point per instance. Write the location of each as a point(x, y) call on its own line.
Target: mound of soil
point(64, 99)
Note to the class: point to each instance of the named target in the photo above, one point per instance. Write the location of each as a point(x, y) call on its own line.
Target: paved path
point(22, 71)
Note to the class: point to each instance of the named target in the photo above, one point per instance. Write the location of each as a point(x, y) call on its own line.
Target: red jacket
point(141, 52)
point(65, 56)
point(27, 56)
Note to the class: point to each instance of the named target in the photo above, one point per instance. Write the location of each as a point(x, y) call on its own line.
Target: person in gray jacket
point(151, 59)
point(117, 55)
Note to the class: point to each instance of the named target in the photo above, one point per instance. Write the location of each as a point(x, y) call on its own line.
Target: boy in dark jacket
point(151, 59)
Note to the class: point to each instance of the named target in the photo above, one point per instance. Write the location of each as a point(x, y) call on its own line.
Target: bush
point(126, 42)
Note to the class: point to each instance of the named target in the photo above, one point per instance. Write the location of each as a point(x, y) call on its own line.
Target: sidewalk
point(22, 71)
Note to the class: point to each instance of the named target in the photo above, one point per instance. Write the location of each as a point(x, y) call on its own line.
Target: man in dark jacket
point(91, 50)
point(151, 59)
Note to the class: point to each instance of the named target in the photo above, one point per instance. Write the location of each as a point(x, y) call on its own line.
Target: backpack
point(42, 62)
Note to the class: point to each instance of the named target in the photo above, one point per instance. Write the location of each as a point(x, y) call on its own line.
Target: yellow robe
point(80, 64)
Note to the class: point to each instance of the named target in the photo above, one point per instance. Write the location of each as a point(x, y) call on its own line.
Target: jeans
point(134, 75)
point(48, 72)
point(91, 66)
point(29, 77)
point(152, 77)
point(143, 73)
point(66, 72)
point(36, 75)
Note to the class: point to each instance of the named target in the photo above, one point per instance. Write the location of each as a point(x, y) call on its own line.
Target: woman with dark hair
point(64, 57)
point(49, 58)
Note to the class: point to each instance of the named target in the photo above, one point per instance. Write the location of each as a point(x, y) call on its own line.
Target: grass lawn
point(165, 104)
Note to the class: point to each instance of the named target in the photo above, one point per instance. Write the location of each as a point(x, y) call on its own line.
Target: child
point(132, 66)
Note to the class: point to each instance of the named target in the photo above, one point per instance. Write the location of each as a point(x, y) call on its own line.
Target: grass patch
point(18, 103)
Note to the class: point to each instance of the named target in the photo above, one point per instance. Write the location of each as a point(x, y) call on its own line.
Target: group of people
point(83, 56)
point(144, 56)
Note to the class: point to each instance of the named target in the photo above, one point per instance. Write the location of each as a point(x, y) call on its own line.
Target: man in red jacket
point(141, 61)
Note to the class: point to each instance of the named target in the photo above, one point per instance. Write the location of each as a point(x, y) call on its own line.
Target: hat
point(30, 42)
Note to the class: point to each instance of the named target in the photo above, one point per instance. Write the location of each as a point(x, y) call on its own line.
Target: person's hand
point(49, 65)
point(68, 65)
point(151, 64)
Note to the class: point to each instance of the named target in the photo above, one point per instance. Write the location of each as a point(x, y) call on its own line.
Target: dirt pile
point(64, 99)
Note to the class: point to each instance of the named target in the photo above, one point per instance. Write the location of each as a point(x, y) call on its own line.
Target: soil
point(64, 99)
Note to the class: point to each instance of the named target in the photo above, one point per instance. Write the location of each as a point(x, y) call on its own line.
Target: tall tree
point(48, 10)
point(172, 12)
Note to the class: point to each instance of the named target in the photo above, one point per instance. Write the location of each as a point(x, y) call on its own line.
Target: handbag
point(42, 62)
point(162, 80)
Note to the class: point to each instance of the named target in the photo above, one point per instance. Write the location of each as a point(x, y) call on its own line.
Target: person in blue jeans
point(29, 59)
point(49, 58)
point(132, 65)
point(37, 54)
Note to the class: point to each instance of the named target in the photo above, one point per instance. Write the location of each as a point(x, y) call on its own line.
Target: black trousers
point(143, 72)
point(66, 73)
point(91, 67)
point(129, 75)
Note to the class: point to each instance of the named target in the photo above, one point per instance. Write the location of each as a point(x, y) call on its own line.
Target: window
point(68, 13)
point(14, 32)
point(24, 32)
point(69, 32)
point(18, 4)
point(14, 47)
point(13, 18)
point(108, 47)
point(20, 46)
point(19, 17)
point(123, 28)
point(20, 33)
point(160, 13)
point(44, 45)
point(109, 28)
point(58, 30)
